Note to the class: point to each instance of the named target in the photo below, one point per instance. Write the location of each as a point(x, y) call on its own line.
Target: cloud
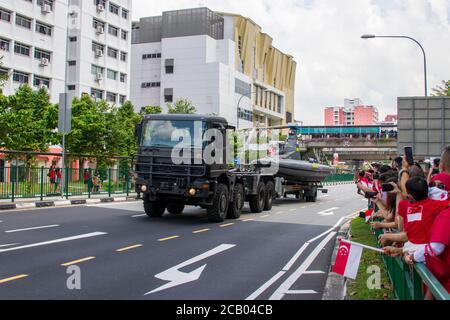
point(333, 62)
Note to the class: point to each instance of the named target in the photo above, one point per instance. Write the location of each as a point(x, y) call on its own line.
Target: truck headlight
point(144, 188)
point(192, 192)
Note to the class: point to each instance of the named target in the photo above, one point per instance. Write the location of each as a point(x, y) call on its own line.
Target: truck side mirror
point(138, 133)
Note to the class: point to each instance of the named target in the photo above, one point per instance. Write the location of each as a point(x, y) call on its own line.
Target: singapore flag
point(347, 260)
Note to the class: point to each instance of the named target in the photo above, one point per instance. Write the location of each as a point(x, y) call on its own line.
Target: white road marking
point(33, 228)
point(295, 257)
point(81, 236)
point(177, 277)
point(266, 285)
point(139, 215)
point(327, 212)
point(286, 285)
point(314, 272)
point(8, 245)
point(301, 292)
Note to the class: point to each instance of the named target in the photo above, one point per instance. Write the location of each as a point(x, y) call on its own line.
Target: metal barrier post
point(66, 182)
point(109, 182)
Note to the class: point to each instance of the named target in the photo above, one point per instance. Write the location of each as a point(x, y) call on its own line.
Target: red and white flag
point(348, 259)
point(368, 214)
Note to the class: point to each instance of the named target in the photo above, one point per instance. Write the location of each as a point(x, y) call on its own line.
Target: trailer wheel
point(175, 208)
point(270, 192)
point(154, 209)
point(235, 207)
point(217, 212)
point(257, 201)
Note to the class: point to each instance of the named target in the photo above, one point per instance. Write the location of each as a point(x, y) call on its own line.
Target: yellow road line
point(226, 225)
point(129, 248)
point(20, 276)
point(200, 231)
point(168, 238)
point(77, 261)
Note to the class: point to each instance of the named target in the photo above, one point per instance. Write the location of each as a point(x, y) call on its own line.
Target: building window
point(124, 35)
point(111, 74)
point(288, 117)
point(170, 66)
point(123, 56)
point(122, 99)
point(41, 81)
point(168, 95)
point(22, 49)
point(73, 39)
point(71, 87)
point(150, 85)
point(4, 44)
point(5, 15)
point(95, 70)
point(40, 54)
point(242, 87)
point(111, 97)
point(125, 14)
point(98, 48)
point(45, 2)
point(123, 77)
point(100, 2)
point(72, 63)
point(21, 77)
point(113, 8)
point(245, 115)
point(96, 94)
point(23, 21)
point(113, 30)
point(113, 53)
point(97, 23)
point(151, 56)
point(43, 28)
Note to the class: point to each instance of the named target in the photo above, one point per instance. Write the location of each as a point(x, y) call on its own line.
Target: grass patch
point(358, 290)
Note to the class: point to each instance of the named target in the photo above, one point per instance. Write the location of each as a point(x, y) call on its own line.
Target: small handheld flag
point(368, 215)
point(348, 259)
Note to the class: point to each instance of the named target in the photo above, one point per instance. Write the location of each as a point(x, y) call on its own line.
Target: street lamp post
point(249, 95)
point(372, 36)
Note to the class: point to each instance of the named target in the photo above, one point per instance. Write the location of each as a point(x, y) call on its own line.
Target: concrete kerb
point(61, 203)
point(336, 285)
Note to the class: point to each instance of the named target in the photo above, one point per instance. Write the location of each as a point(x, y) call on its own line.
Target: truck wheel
point(175, 208)
point(154, 209)
point(270, 191)
point(235, 207)
point(217, 212)
point(257, 201)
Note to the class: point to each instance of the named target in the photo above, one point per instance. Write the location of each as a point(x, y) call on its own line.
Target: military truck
point(164, 182)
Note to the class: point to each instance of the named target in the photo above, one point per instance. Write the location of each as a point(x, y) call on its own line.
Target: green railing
point(22, 182)
point(408, 281)
point(339, 178)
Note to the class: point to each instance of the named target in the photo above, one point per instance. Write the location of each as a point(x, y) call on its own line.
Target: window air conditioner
point(99, 77)
point(100, 30)
point(46, 8)
point(44, 62)
point(100, 7)
point(99, 53)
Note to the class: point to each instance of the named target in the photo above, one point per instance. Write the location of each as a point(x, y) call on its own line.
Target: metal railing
point(339, 178)
point(408, 280)
point(20, 182)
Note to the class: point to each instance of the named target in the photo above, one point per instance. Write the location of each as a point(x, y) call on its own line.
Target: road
point(123, 254)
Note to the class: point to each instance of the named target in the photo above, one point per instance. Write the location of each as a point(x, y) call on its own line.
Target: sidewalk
point(26, 203)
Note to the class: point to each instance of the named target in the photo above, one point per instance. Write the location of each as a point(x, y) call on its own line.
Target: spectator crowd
point(410, 202)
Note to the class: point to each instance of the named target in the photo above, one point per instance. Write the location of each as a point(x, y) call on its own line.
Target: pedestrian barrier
point(408, 281)
point(339, 178)
point(20, 182)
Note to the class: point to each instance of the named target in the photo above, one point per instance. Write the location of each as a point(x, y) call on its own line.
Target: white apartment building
point(221, 62)
point(74, 46)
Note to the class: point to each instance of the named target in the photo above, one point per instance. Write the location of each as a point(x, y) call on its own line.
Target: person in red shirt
point(418, 214)
point(444, 168)
point(439, 243)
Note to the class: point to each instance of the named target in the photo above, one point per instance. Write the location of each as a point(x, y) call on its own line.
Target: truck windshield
point(171, 133)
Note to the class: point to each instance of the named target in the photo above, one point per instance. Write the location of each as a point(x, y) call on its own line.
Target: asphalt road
point(123, 254)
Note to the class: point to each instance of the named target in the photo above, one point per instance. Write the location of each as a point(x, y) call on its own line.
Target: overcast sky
point(333, 62)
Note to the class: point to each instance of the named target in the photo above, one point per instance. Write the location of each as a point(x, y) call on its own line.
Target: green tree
point(28, 121)
point(443, 90)
point(4, 76)
point(181, 106)
point(152, 110)
point(123, 129)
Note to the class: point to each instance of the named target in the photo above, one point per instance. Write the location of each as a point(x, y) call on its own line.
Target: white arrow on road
point(177, 277)
point(328, 212)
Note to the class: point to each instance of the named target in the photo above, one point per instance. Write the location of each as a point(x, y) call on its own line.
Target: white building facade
point(192, 54)
point(74, 46)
